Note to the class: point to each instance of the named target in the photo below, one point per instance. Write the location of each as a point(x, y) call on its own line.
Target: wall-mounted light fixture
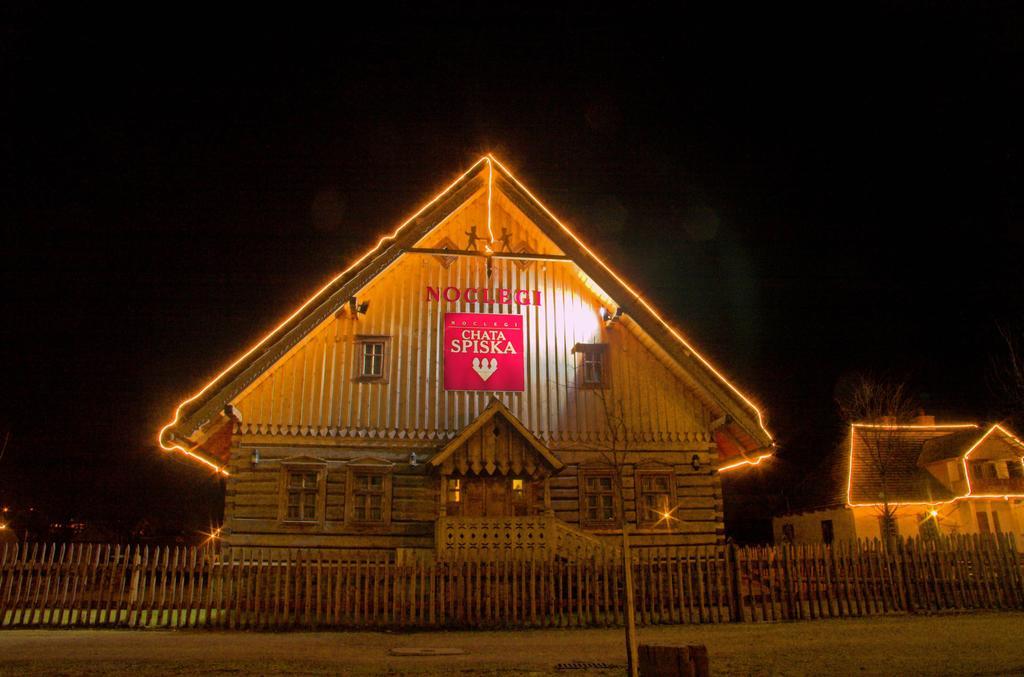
point(610, 317)
point(255, 457)
point(695, 462)
point(413, 461)
point(357, 308)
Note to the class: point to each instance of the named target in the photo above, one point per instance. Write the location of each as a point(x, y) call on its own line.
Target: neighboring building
point(463, 385)
point(950, 479)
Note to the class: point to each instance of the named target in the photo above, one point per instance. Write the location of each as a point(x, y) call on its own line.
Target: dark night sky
point(806, 195)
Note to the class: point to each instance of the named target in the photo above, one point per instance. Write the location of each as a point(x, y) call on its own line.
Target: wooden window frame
point(639, 493)
point(453, 496)
point(362, 340)
point(585, 521)
point(350, 495)
point(788, 533)
point(287, 469)
point(585, 350)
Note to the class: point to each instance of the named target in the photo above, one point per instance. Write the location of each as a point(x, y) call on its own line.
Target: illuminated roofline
point(486, 159)
point(745, 462)
point(967, 475)
point(636, 295)
point(913, 426)
point(970, 495)
point(292, 316)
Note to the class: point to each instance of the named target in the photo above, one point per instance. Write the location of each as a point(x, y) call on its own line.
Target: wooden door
point(487, 497)
point(497, 502)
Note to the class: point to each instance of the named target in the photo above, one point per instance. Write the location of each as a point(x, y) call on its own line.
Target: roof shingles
point(885, 465)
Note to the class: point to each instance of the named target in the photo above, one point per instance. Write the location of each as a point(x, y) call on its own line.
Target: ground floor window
point(302, 495)
point(654, 496)
point(369, 495)
point(302, 492)
point(597, 498)
point(454, 491)
point(788, 533)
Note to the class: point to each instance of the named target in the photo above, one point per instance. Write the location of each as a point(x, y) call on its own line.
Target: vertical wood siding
point(312, 391)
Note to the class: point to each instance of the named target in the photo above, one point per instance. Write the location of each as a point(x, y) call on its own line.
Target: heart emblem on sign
point(483, 368)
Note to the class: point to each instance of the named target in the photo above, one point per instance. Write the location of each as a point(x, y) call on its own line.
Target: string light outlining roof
point(168, 442)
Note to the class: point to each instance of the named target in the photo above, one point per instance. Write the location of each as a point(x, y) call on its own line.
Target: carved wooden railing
point(537, 537)
point(571, 542)
point(513, 537)
point(997, 486)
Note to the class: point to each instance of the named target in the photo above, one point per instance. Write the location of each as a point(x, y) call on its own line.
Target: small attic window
point(372, 358)
point(592, 365)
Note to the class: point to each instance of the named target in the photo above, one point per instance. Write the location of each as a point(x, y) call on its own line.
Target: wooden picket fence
point(89, 585)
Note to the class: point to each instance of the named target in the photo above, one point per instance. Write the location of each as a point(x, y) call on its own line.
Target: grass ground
point(968, 644)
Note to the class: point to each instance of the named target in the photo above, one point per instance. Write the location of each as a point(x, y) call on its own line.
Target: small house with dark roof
point(961, 478)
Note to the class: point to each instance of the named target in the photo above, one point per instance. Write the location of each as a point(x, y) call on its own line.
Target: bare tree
point(1008, 372)
point(874, 408)
point(615, 454)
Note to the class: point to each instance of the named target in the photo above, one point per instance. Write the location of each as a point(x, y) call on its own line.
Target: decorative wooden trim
point(446, 244)
point(523, 247)
point(517, 256)
point(496, 408)
point(357, 354)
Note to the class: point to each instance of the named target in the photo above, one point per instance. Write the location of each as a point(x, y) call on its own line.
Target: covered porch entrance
point(495, 498)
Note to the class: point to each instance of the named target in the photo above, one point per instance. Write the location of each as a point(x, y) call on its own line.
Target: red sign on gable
point(483, 352)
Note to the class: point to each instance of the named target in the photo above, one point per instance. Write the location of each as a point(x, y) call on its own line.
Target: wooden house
point(960, 478)
point(480, 379)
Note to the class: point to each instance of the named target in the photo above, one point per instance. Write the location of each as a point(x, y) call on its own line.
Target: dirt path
point(960, 644)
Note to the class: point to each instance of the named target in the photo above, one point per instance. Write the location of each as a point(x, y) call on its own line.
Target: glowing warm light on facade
point(933, 512)
point(490, 187)
point(640, 299)
point(745, 462)
point(490, 162)
point(912, 426)
point(967, 474)
point(296, 313)
point(666, 516)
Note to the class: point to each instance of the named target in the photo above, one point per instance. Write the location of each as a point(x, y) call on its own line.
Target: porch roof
point(490, 456)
